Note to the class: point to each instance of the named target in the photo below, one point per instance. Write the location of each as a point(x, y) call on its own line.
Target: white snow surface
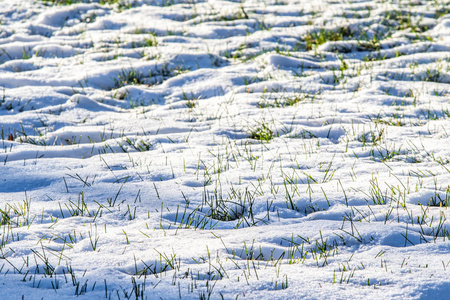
point(224, 149)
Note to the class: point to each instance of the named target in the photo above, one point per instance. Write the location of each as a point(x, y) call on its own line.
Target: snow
point(224, 149)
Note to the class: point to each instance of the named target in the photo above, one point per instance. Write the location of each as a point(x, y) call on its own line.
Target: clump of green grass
point(151, 40)
point(376, 195)
point(405, 21)
point(316, 38)
point(373, 137)
point(371, 45)
point(394, 120)
point(441, 12)
point(191, 101)
point(283, 102)
point(70, 2)
point(262, 133)
point(128, 77)
point(121, 4)
point(440, 200)
point(60, 2)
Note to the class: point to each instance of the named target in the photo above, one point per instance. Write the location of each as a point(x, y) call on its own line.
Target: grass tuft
point(128, 77)
point(316, 38)
point(262, 133)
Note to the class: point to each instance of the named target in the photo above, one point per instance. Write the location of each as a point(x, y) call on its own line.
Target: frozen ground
point(218, 149)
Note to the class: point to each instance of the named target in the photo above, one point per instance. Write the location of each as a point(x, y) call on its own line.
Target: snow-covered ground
point(223, 149)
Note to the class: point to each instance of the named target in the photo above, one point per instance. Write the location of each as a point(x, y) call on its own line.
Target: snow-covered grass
point(224, 149)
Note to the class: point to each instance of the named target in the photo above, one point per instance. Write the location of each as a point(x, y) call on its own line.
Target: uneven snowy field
point(224, 149)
